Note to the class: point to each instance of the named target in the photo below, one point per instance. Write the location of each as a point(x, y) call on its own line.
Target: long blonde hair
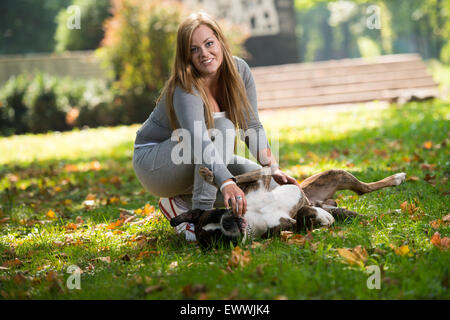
point(231, 89)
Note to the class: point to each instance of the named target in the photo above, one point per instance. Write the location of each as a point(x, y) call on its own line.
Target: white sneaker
point(174, 206)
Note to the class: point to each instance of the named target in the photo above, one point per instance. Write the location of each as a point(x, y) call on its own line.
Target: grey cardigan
point(189, 108)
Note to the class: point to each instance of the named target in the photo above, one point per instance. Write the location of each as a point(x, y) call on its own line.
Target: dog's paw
point(206, 174)
point(323, 217)
point(399, 178)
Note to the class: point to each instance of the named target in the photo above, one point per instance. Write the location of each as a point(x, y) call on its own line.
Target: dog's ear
point(190, 216)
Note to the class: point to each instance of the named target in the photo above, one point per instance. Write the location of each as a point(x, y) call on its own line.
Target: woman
point(208, 88)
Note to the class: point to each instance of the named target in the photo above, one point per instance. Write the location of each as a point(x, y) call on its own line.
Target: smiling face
point(206, 51)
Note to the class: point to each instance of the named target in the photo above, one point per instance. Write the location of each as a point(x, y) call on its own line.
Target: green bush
point(13, 109)
point(93, 14)
point(47, 108)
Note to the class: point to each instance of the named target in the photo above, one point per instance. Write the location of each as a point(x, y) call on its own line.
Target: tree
point(90, 34)
point(28, 26)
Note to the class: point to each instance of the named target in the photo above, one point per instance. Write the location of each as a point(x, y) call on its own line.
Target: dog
point(286, 207)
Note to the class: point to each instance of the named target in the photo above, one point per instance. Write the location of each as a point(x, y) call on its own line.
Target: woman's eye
point(193, 50)
point(209, 43)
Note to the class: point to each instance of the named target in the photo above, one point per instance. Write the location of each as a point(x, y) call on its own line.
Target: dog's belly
point(264, 208)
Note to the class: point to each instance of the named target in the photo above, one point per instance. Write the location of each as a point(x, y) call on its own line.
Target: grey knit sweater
point(189, 109)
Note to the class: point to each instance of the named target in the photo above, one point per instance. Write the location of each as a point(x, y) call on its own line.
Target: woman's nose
point(203, 52)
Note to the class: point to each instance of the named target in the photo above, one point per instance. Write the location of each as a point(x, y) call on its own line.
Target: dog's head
point(213, 226)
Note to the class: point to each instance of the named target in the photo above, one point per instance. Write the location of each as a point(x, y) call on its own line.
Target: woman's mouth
point(207, 61)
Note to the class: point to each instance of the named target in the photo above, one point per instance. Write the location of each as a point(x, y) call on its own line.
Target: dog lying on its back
point(286, 207)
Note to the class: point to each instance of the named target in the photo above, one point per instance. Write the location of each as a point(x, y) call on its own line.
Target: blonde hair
point(231, 89)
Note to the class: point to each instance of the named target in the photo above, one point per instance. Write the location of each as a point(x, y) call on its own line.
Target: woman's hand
point(232, 193)
point(282, 178)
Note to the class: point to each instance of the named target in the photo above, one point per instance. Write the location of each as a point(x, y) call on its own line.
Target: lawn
point(72, 199)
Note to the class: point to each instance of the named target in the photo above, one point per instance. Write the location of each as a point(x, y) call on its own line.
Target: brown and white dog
point(286, 207)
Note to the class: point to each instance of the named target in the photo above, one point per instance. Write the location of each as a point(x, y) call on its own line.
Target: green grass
point(148, 260)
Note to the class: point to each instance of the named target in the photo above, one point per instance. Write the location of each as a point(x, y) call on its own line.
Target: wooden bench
point(390, 78)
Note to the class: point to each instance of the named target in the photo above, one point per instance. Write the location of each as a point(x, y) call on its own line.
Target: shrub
point(13, 109)
point(96, 106)
point(42, 102)
point(93, 14)
point(47, 109)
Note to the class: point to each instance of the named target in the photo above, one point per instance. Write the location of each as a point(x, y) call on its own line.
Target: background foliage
point(89, 36)
point(337, 29)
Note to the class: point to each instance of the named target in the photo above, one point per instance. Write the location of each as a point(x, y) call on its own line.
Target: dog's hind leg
point(322, 186)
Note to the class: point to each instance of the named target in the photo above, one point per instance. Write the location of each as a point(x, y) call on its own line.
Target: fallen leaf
point(95, 165)
point(71, 226)
point(148, 209)
point(105, 259)
point(441, 243)
point(239, 258)
point(401, 251)
point(428, 145)
point(406, 159)
point(313, 156)
point(429, 167)
point(381, 153)
point(190, 290)
point(4, 220)
point(12, 263)
point(20, 279)
point(334, 154)
point(446, 218)
point(152, 289)
point(113, 200)
point(114, 224)
point(435, 223)
point(143, 254)
point(413, 178)
point(51, 214)
point(436, 239)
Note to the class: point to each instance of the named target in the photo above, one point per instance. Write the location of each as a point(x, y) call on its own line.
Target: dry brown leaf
point(12, 263)
point(446, 218)
point(435, 224)
point(349, 256)
point(20, 279)
point(51, 214)
point(441, 243)
point(4, 220)
point(155, 288)
point(190, 290)
point(143, 254)
point(413, 178)
point(114, 224)
point(401, 251)
point(286, 235)
point(355, 256)
point(436, 239)
point(381, 153)
point(239, 258)
point(429, 167)
point(427, 145)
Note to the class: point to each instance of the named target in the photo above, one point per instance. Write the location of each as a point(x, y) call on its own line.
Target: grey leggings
point(161, 177)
